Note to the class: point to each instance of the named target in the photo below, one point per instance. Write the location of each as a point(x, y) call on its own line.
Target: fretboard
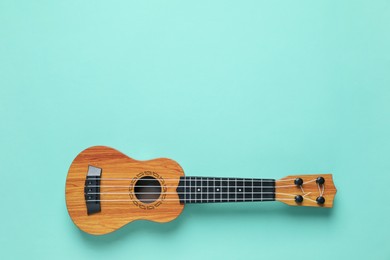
point(210, 190)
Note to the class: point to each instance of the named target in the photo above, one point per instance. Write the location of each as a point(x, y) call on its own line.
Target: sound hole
point(147, 189)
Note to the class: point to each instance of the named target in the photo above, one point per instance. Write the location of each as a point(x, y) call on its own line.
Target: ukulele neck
point(211, 190)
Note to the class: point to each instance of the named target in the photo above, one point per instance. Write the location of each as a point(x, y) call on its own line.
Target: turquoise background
point(226, 88)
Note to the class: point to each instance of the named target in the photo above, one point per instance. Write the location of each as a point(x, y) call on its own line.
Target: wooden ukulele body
point(105, 190)
point(119, 207)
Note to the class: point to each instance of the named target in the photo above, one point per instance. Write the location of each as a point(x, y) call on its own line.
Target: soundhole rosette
point(147, 190)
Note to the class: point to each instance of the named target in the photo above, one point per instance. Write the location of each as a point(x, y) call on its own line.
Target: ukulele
point(105, 190)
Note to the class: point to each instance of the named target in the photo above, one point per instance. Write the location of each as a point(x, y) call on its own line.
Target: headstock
point(314, 190)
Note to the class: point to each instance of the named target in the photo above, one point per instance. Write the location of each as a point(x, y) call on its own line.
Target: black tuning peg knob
point(298, 181)
point(320, 200)
point(320, 180)
point(298, 199)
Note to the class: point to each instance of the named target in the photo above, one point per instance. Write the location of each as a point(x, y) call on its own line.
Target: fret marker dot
point(217, 189)
point(239, 189)
point(198, 189)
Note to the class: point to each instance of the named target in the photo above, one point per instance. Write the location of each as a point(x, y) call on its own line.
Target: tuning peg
point(320, 180)
point(298, 181)
point(298, 199)
point(320, 200)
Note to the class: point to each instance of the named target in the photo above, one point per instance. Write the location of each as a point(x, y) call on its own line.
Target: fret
point(214, 189)
point(235, 190)
point(188, 181)
point(185, 189)
point(208, 190)
point(220, 190)
point(262, 190)
point(252, 191)
point(201, 190)
point(205, 191)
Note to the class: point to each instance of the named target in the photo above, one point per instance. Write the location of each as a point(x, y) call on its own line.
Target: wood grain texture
point(116, 165)
point(286, 190)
